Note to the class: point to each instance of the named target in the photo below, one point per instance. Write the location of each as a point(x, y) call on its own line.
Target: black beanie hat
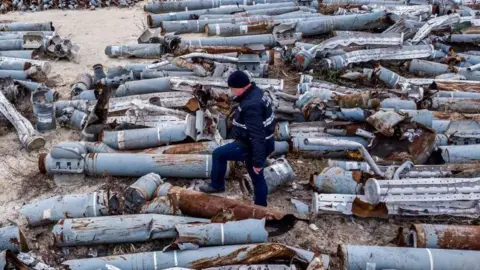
point(238, 79)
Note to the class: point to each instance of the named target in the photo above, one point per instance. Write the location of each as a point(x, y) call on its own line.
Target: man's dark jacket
point(254, 124)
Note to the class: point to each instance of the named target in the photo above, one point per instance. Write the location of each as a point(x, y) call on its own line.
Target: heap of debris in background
point(398, 145)
point(28, 5)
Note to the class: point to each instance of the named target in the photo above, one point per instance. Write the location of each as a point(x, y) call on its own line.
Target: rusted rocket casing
point(73, 118)
point(145, 137)
point(66, 206)
point(305, 56)
point(129, 164)
point(463, 38)
point(23, 26)
point(149, 51)
point(344, 22)
point(44, 65)
point(11, 238)
point(268, 40)
point(457, 154)
point(254, 266)
point(435, 22)
point(155, 20)
point(23, 54)
point(26, 133)
point(198, 204)
point(143, 87)
point(278, 174)
point(248, 231)
point(14, 65)
point(204, 148)
point(336, 180)
point(11, 44)
point(141, 191)
point(197, 259)
point(422, 67)
point(406, 52)
point(164, 7)
point(81, 105)
point(117, 229)
point(444, 236)
point(33, 73)
point(275, 11)
point(247, 27)
point(189, 148)
point(447, 104)
point(382, 257)
point(83, 82)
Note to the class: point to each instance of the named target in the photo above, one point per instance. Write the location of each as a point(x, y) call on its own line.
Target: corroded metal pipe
point(198, 204)
point(117, 229)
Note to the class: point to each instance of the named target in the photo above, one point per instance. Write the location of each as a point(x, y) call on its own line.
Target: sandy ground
point(20, 181)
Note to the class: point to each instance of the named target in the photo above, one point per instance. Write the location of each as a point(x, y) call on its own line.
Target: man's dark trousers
point(237, 152)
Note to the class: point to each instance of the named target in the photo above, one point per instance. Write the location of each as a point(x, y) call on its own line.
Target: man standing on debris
point(253, 128)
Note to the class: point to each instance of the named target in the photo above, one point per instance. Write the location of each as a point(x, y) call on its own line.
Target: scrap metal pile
point(398, 145)
point(29, 5)
point(22, 77)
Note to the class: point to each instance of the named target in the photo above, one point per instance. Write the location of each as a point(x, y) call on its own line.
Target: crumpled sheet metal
point(191, 236)
point(198, 204)
point(385, 121)
point(406, 52)
point(303, 58)
point(197, 259)
point(416, 143)
point(435, 22)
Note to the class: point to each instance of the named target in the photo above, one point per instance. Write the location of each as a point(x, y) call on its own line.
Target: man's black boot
point(208, 189)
